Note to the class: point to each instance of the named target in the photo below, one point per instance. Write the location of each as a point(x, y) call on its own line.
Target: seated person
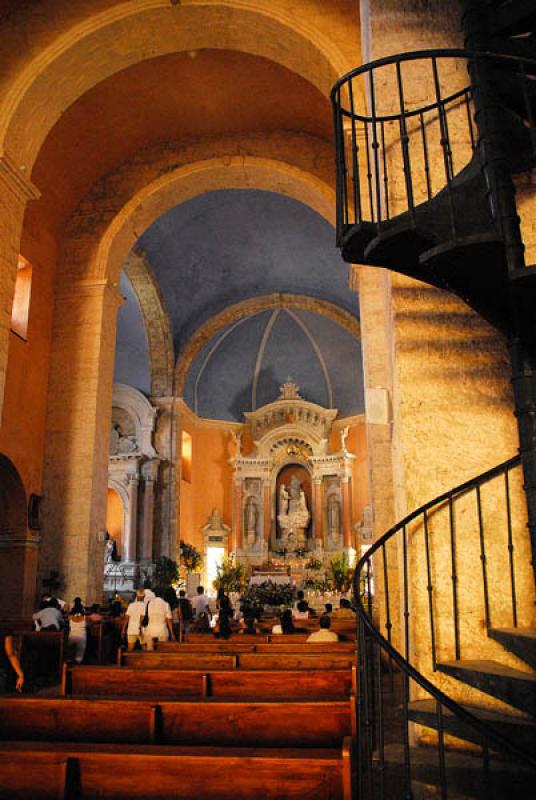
point(49, 618)
point(201, 623)
point(328, 609)
point(222, 629)
point(94, 613)
point(324, 634)
point(300, 597)
point(249, 628)
point(286, 625)
point(345, 611)
point(301, 611)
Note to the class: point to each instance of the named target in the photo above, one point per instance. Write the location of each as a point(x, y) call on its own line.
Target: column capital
point(73, 290)
point(16, 181)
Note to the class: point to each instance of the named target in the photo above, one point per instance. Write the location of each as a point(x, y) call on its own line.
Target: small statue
point(344, 437)
point(284, 498)
point(110, 550)
point(237, 438)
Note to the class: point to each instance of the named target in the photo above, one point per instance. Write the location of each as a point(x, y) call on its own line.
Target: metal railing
point(399, 664)
point(395, 152)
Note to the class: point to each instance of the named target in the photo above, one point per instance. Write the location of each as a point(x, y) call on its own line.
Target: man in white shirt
point(49, 618)
point(324, 634)
point(200, 603)
point(133, 618)
point(160, 625)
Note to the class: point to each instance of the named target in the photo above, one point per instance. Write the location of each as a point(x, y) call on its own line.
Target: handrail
point(366, 624)
point(375, 145)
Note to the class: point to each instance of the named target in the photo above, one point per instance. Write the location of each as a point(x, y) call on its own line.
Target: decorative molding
point(88, 288)
point(144, 414)
point(202, 422)
point(14, 178)
point(157, 325)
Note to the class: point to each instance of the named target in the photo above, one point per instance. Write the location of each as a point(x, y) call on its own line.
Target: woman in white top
point(78, 630)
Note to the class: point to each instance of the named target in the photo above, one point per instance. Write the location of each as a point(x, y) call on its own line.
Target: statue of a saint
point(110, 550)
point(251, 516)
point(284, 498)
point(334, 516)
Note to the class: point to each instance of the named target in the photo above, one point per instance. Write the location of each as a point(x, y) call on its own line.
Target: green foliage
point(191, 558)
point(340, 573)
point(300, 552)
point(313, 563)
point(230, 577)
point(166, 572)
point(317, 584)
point(269, 593)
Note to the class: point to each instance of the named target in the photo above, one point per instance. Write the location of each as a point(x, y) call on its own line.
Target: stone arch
point(13, 507)
point(157, 325)
point(243, 309)
point(78, 58)
point(186, 182)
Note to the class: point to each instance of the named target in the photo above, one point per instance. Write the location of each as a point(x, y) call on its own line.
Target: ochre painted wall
point(22, 430)
point(211, 485)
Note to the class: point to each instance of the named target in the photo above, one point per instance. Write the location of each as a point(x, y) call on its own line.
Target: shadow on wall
point(13, 515)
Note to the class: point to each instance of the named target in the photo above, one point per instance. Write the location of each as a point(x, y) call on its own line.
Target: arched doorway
point(115, 517)
point(18, 547)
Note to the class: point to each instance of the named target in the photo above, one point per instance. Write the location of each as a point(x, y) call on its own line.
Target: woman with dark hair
point(78, 630)
point(286, 624)
point(225, 615)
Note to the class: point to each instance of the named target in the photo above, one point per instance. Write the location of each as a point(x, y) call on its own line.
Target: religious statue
point(284, 498)
point(251, 516)
point(344, 437)
point(110, 550)
point(120, 444)
point(293, 514)
point(237, 438)
point(334, 517)
point(215, 522)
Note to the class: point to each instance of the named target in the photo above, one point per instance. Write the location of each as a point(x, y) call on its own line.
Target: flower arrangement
point(191, 558)
point(313, 564)
point(340, 573)
point(230, 577)
point(269, 593)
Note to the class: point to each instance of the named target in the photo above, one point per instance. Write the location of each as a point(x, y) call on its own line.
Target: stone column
point(15, 191)
point(318, 510)
point(18, 561)
point(75, 475)
point(236, 537)
point(267, 512)
point(149, 473)
point(132, 526)
point(346, 513)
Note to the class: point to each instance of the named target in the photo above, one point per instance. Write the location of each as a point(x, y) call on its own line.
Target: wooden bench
point(278, 644)
point(280, 660)
point(70, 770)
point(245, 723)
point(319, 684)
point(42, 654)
point(266, 638)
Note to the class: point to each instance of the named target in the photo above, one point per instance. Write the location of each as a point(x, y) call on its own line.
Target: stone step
point(520, 731)
point(520, 641)
point(509, 685)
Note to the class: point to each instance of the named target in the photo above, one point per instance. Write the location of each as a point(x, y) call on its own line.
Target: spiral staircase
point(427, 189)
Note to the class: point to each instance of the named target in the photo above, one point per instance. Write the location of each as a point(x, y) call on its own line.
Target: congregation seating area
point(207, 719)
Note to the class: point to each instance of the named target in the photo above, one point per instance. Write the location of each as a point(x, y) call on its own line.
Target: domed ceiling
point(226, 247)
point(243, 366)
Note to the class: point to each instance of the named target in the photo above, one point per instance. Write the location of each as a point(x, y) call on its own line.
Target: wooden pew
point(313, 684)
point(282, 660)
point(258, 644)
point(67, 770)
point(245, 723)
point(42, 654)
point(206, 661)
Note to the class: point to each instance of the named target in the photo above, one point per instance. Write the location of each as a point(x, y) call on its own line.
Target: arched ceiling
point(230, 247)
point(223, 247)
point(243, 367)
point(178, 97)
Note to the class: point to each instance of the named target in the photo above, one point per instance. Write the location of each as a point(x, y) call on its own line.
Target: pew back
point(144, 771)
point(182, 684)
